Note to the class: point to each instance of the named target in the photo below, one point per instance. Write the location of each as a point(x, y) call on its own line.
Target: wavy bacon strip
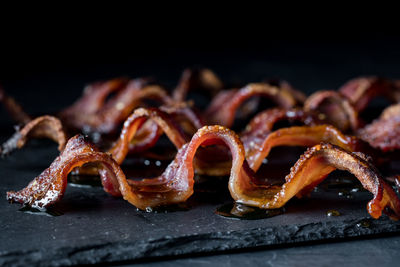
point(93, 99)
point(192, 79)
point(334, 108)
point(108, 115)
point(305, 136)
point(311, 169)
point(384, 133)
point(42, 127)
point(217, 162)
point(182, 114)
point(135, 122)
point(361, 91)
point(49, 187)
point(222, 109)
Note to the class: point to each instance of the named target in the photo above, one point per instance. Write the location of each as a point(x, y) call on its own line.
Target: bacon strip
point(217, 161)
point(49, 187)
point(333, 108)
point(223, 108)
point(384, 133)
point(41, 127)
point(93, 99)
point(361, 91)
point(311, 169)
point(135, 122)
point(306, 136)
point(191, 79)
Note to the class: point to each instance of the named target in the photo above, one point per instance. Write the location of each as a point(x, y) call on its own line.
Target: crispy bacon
point(222, 109)
point(311, 169)
point(135, 122)
point(192, 79)
point(384, 133)
point(49, 187)
point(334, 108)
point(41, 127)
point(93, 99)
point(361, 91)
point(105, 116)
point(305, 136)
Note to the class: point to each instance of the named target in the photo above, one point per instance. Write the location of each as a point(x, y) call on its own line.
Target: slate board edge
point(199, 243)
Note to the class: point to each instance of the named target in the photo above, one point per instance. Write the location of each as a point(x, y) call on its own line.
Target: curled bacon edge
point(42, 127)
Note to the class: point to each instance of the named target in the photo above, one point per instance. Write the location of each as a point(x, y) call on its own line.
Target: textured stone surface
point(98, 228)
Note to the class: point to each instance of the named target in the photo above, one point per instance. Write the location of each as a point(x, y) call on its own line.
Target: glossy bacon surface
point(49, 187)
point(311, 169)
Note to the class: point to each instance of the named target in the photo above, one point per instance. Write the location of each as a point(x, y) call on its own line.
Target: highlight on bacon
point(42, 127)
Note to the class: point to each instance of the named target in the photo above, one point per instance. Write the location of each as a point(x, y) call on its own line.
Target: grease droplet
point(364, 224)
point(331, 213)
point(241, 211)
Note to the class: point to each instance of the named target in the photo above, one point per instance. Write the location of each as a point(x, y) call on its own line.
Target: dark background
point(45, 62)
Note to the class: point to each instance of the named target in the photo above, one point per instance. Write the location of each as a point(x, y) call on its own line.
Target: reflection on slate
point(95, 227)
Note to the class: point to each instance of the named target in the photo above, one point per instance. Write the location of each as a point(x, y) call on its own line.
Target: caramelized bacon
point(93, 99)
point(384, 133)
point(308, 172)
point(334, 108)
point(223, 108)
point(105, 117)
point(41, 127)
point(306, 136)
point(49, 187)
point(135, 122)
point(361, 91)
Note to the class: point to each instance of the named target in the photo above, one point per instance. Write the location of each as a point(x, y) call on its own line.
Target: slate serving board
point(97, 228)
